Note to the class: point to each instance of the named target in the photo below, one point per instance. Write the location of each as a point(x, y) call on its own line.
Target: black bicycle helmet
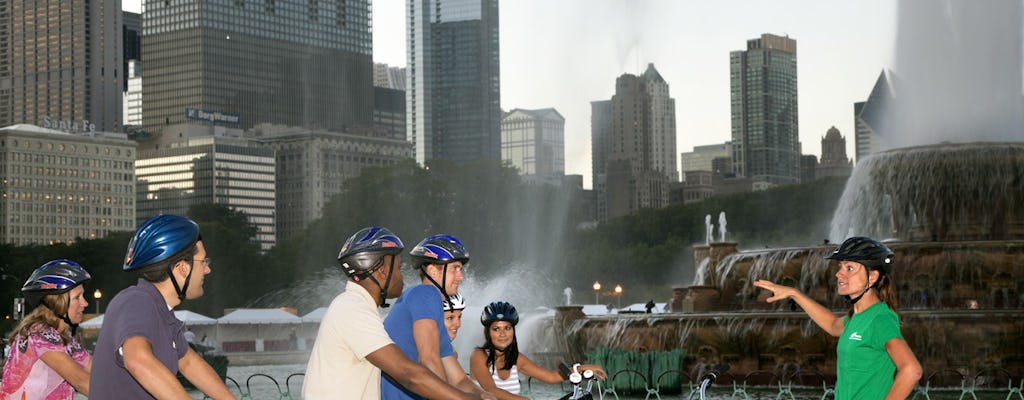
point(872, 253)
point(499, 311)
point(439, 249)
point(364, 252)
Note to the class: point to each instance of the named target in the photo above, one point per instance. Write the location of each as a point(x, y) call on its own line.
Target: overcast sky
point(566, 53)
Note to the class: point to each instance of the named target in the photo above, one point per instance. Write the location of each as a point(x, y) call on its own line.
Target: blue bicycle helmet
point(499, 311)
point(158, 239)
point(364, 252)
point(54, 277)
point(439, 249)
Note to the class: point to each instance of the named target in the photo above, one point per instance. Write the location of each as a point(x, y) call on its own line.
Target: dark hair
point(158, 271)
point(511, 352)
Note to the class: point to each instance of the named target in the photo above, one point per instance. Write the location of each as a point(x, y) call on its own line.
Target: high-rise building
point(641, 158)
point(312, 166)
point(60, 60)
point(453, 81)
point(59, 186)
point(239, 63)
point(534, 142)
point(704, 158)
point(385, 76)
point(833, 156)
point(132, 33)
point(765, 131)
point(132, 102)
point(600, 134)
point(209, 169)
point(389, 113)
point(871, 118)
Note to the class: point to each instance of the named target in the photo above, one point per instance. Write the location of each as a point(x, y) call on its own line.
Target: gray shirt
point(137, 311)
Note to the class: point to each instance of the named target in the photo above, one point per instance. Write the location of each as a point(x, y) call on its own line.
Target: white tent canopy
point(94, 323)
point(315, 315)
point(259, 316)
point(188, 317)
point(192, 318)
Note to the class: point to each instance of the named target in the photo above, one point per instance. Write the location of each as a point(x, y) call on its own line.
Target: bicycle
point(582, 383)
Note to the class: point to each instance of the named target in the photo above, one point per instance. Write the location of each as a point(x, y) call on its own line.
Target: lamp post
point(597, 292)
point(97, 295)
point(618, 293)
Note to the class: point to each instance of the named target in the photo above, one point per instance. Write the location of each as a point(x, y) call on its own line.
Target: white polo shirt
point(351, 329)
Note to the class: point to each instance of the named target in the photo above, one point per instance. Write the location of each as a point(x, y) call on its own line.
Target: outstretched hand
point(598, 371)
point(779, 292)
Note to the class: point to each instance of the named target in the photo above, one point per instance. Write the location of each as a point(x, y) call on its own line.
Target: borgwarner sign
point(212, 116)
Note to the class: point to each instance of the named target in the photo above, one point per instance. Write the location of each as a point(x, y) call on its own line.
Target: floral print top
point(27, 377)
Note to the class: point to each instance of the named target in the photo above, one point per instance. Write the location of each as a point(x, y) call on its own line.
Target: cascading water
point(970, 191)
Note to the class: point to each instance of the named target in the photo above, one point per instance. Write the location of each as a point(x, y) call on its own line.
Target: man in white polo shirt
point(352, 348)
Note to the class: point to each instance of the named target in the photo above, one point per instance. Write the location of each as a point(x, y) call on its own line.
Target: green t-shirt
point(863, 367)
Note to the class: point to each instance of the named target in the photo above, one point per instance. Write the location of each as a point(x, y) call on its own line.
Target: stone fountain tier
point(785, 342)
point(966, 191)
point(961, 304)
point(928, 275)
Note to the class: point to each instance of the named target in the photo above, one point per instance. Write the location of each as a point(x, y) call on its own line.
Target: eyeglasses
point(206, 261)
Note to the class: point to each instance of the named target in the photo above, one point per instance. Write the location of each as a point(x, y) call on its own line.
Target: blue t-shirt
point(137, 310)
point(864, 369)
point(419, 302)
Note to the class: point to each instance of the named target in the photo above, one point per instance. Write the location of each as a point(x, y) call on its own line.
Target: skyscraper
point(239, 63)
point(765, 132)
point(58, 186)
point(132, 102)
point(534, 142)
point(453, 86)
point(600, 134)
point(230, 171)
point(312, 167)
point(641, 158)
point(833, 156)
point(871, 117)
point(60, 60)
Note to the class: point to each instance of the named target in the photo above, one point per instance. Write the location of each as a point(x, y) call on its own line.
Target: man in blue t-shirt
point(141, 346)
point(416, 323)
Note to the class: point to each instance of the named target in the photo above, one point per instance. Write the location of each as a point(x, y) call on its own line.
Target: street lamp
point(597, 292)
point(618, 293)
point(97, 295)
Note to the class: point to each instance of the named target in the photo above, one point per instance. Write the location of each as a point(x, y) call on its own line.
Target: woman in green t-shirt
point(873, 359)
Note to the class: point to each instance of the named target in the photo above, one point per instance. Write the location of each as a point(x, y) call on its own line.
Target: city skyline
point(843, 47)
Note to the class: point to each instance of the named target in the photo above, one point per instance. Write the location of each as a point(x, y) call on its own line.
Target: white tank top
point(511, 384)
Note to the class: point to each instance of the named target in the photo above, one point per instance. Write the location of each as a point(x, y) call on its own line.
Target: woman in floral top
point(46, 361)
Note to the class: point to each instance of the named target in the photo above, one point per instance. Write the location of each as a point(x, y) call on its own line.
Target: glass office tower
point(238, 63)
point(203, 170)
point(453, 85)
point(765, 134)
point(534, 142)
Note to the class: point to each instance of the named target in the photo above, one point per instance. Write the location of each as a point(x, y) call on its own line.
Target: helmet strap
point(387, 282)
point(444, 277)
point(67, 319)
point(184, 288)
point(854, 300)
